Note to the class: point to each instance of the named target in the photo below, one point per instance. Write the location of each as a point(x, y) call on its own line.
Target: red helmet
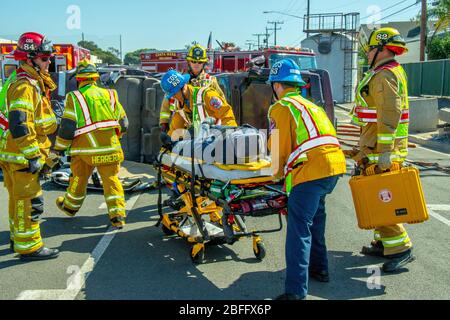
point(32, 45)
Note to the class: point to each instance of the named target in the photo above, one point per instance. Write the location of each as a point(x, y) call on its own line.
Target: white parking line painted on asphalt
point(439, 207)
point(78, 279)
point(431, 150)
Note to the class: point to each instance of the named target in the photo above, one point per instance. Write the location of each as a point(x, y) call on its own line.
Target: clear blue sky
point(172, 24)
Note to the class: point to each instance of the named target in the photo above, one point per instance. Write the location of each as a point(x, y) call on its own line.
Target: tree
point(105, 56)
point(114, 51)
point(441, 12)
point(439, 48)
point(135, 56)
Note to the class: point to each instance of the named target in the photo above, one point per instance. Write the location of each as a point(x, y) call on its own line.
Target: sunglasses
point(44, 58)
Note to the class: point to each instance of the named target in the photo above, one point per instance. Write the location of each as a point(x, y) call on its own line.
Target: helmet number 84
point(29, 46)
point(174, 81)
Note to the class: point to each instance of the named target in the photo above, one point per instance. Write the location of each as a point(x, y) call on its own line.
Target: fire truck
point(7, 62)
point(66, 57)
point(227, 61)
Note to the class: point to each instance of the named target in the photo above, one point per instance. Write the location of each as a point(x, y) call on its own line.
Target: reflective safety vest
point(199, 113)
point(203, 80)
point(4, 125)
point(314, 130)
point(364, 114)
point(95, 108)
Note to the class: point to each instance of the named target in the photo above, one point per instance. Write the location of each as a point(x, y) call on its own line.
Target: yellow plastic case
point(389, 198)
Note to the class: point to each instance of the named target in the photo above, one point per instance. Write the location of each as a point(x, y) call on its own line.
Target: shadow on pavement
point(158, 268)
point(349, 275)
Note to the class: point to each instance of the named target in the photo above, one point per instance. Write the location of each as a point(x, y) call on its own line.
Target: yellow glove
point(371, 170)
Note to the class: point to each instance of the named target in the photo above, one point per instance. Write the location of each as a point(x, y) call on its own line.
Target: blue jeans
point(305, 242)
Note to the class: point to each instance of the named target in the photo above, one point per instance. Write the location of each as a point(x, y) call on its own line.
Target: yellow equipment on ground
point(389, 198)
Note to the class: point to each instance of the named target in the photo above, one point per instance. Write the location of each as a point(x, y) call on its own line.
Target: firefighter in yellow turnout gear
point(24, 146)
point(91, 128)
point(311, 161)
point(197, 59)
point(196, 104)
point(382, 110)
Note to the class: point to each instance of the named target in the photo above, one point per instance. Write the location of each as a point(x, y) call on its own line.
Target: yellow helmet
point(389, 38)
point(197, 54)
point(86, 70)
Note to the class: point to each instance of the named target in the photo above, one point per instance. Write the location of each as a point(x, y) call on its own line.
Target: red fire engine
point(66, 57)
point(226, 61)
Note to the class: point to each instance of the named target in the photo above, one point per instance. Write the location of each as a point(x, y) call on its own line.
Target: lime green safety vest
point(314, 130)
point(199, 113)
point(95, 108)
point(363, 114)
point(3, 107)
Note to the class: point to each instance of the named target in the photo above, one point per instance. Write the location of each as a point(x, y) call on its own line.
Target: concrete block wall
point(424, 114)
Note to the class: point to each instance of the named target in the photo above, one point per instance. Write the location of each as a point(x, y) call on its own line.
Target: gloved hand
point(58, 153)
point(165, 127)
point(34, 165)
point(384, 161)
point(53, 161)
point(166, 140)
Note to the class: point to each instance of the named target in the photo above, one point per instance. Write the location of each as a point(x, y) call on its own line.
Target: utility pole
point(259, 35)
point(121, 56)
point(82, 36)
point(267, 38)
point(423, 30)
point(308, 11)
point(275, 23)
point(250, 44)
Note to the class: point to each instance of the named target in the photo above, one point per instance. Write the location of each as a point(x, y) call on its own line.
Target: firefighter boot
point(118, 223)
point(60, 204)
point(289, 296)
point(42, 254)
point(398, 261)
point(321, 276)
point(376, 249)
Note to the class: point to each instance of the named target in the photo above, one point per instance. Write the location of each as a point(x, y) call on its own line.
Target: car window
point(304, 62)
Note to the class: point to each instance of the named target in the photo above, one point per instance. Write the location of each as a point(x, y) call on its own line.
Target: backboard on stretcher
point(259, 172)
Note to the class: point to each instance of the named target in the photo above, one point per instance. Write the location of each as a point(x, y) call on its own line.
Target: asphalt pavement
point(141, 263)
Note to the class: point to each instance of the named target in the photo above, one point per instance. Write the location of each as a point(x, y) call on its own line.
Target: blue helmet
point(172, 82)
point(286, 70)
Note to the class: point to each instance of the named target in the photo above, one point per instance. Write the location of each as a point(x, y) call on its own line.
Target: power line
point(259, 35)
point(290, 5)
point(397, 12)
point(345, 5)
point(385, 9)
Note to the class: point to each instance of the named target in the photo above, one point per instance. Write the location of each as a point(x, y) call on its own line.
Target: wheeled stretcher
point(211, 202)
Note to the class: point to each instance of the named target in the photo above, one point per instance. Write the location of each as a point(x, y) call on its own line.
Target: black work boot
point(117, 223)
point(42, 254)
point(289, 296)
point(398, 261)
point(321, 276)
point(376, 249)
